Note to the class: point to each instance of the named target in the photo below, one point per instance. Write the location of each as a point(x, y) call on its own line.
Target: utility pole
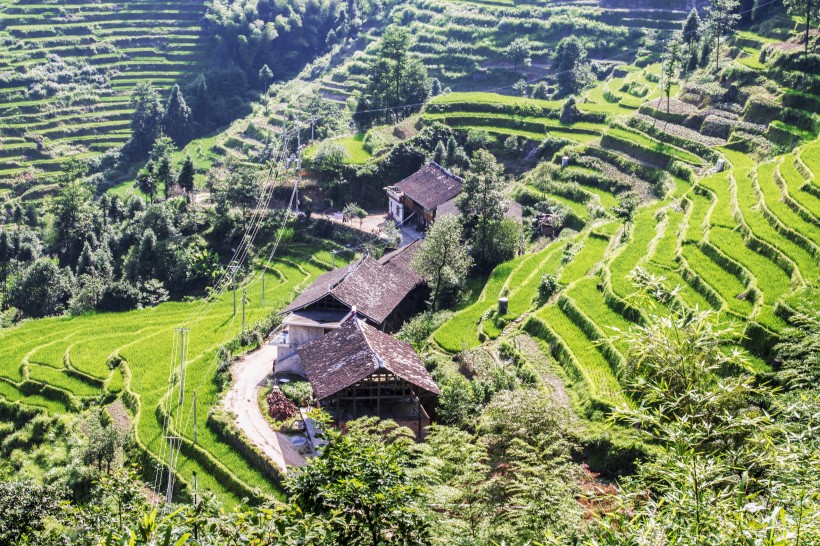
point(264, 274)
point(232, 269)
point(182, 332)
point(333, 259)
point(170, 492)
point(244, 297)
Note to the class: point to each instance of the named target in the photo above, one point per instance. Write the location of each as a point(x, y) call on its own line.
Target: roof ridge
point(446, 171)
point(377, 358)
point(350, 269)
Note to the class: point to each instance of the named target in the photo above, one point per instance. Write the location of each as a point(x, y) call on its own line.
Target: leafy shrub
point(547, 287)
point(298, 392)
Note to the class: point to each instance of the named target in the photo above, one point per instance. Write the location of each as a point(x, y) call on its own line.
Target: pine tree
point(163, 174)
point(435, 88)
point(146, 122)
point(452, 146)
point(201, 101)
point(692, 28)
point(186, 176)
point(440, 154)
point(85, 263)
point(265, 75)
point(176, 117)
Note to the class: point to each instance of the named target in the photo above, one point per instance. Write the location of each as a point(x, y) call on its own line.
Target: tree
point(625, 209)
point(511, 145)
point(146, 122)
point(73, 219)
point(808, 10)
point(435, 87)
point(391, 233)
point(185, 180)
point(104, 442)
point(671, 62)
point(7, 254)
point(163, 174)
point(519, 52)
point(243, 190)
point(146, 183)
point(482, 204)
point(398, 83)
point(265, 75)
point(353, 210)
point(440, 154)
point(362, 477)
point(42, 289)
point(721, 21)
point(24, 508)
point(692, 28)
point(572, 66)
point(533, 436)
point(720, 458)
point(176, 116)
point(443, 259)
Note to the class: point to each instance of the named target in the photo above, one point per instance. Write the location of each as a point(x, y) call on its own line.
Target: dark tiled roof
point(448, 208)
point(355, 350)
point(513, 212)
point(376, 288)
point(431, 186)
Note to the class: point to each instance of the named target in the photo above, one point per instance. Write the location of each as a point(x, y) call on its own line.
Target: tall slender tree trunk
point(808, 24)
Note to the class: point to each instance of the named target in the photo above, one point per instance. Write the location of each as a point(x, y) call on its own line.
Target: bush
point(298, 392)
point(547, 287)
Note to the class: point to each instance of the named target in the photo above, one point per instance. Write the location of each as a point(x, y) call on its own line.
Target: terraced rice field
point(68, 70)
point(55, 363)
point(737, 241)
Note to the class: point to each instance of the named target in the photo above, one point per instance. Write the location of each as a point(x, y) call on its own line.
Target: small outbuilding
point(358, 371)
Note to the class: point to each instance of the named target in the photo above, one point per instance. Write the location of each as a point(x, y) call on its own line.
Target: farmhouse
point(385, 292)
point(430, 193)
point(416, 198)
point(358, 371)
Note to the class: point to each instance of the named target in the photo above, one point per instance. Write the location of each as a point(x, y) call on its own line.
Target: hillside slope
point(67, 71)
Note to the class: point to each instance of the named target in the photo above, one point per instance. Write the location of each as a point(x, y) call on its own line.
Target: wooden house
point(358, 371)
point(385, 292)
point(416, 199)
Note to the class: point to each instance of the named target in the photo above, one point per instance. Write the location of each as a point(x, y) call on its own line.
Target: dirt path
point(532, 352)
point(250, 373)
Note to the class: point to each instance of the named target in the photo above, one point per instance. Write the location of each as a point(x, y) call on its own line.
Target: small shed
point(545, 222)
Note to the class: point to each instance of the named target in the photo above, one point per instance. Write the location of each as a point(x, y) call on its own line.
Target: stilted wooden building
point(358, 371)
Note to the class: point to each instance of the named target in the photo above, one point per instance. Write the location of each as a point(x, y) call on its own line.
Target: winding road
point(250, 374)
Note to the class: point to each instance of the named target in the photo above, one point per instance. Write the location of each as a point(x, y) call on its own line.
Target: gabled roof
point(430, 186)
point(376, 288)
point(354, 351)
